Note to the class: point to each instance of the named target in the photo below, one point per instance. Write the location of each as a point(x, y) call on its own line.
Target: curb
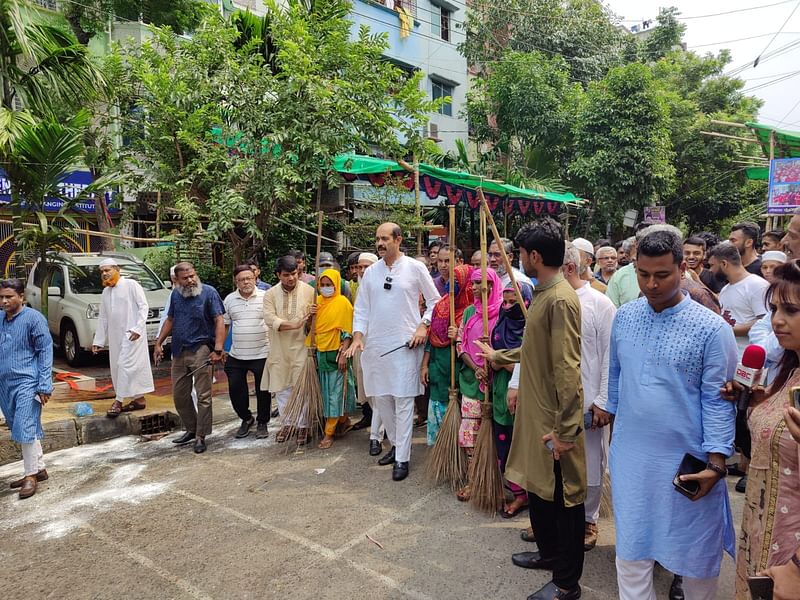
point(77, 431)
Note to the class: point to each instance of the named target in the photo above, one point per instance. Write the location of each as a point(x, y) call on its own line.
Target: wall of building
point(425, 50)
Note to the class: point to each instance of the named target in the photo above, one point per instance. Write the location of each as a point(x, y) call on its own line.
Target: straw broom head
point(486, 481)
point(447, 462)
point(305, 403)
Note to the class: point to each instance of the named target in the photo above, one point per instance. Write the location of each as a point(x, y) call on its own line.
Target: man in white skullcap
point(122, 326)
point(586, 250)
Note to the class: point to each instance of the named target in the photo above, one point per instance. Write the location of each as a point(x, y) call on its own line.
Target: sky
point(713, 33)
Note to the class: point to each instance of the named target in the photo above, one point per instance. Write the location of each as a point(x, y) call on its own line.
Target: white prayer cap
point(368, 257)
point(584, 245)
point(775, 255)
point(109, 262)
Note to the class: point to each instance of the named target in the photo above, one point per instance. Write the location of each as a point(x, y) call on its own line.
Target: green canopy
point(787, 143)
point(757, 173)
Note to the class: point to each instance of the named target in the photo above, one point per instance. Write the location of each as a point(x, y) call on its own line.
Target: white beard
point(189, 292)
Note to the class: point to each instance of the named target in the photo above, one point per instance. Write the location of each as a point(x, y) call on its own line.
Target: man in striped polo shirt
point(244, 311)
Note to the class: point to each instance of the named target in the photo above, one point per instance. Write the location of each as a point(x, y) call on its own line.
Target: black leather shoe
point(532, 560)
point(552, 592)
point(200, 445)
point(261, 431)
point(375, 447)
point(676, 589)
point(388, 458)
point(187, 437)
point(400, 471)
point(244, 428)
point(741, 485)
point(363, 423)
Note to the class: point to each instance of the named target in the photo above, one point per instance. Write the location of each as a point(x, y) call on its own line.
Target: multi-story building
point(424, 35)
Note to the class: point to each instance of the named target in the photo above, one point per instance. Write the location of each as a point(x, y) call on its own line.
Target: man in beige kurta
point(549, 409)
point(287, 307)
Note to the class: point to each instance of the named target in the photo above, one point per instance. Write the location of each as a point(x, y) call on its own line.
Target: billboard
point(784, 186)
point(654, 214)
point(72, 185)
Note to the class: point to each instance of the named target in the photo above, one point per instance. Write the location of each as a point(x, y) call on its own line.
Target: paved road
point(131, 519)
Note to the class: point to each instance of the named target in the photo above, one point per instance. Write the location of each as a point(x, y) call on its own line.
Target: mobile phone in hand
point(760, 587)
point(794, 397)
point(588, 418)
point(689, 466)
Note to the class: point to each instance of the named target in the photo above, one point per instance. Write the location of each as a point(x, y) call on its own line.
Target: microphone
point(748, 373)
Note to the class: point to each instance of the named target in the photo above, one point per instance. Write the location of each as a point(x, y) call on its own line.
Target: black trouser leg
point(742, 439)
point(366, 410)
point(263, 397)
point(236, 370)
point(559, 533)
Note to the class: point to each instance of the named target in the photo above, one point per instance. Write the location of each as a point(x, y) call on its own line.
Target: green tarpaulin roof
point(757, 173)
point(787, 143)
point(367, 165)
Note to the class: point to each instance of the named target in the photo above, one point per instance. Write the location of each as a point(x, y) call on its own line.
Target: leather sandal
point(115, 410)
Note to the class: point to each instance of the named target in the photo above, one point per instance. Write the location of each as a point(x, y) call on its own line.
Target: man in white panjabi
point(597, 316)
point(122, 326)
point(387, 318)
point(287, 309)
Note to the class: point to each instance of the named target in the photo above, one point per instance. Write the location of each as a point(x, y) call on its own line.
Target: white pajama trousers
point(397, 415)
point(376, 429)
point(592, 503)
point(635, 580)
point(282, 398)
point(32, 457)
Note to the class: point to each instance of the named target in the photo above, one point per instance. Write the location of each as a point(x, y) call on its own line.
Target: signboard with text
point(71, 187)
point(654, 214)
point(784, 186)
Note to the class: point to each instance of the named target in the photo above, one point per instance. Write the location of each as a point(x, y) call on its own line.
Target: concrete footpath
point(247, 519)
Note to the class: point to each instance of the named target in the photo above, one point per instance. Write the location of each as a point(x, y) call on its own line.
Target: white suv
point(74, 299)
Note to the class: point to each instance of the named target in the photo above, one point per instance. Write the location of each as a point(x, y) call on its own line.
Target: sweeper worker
point(122, 326)
point(287, 312)
point(389, 332)
point(195, 321)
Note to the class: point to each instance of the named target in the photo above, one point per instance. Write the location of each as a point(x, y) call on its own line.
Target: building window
point(48, 4)
point(440, 22)
point(443, 90)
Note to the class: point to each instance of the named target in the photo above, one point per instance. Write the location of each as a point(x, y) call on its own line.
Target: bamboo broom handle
point(313, 344)
point(506, 260)
point(452, 293)
point(484, 294)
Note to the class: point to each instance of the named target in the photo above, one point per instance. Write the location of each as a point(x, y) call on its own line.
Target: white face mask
point(326, 291)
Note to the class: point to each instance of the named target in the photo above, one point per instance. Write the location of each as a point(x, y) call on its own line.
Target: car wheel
point(71, 345)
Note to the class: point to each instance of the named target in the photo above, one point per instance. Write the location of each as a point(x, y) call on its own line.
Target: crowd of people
point(598, 359)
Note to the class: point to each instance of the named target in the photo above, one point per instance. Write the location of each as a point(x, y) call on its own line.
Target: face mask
point(326, 291)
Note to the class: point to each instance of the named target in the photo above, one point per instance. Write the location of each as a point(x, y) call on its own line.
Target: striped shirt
point(246, 316)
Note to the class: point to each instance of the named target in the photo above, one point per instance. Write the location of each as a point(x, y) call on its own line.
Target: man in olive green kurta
point(550, 408)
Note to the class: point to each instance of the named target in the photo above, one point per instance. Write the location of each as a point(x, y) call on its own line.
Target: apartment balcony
point(383, 17)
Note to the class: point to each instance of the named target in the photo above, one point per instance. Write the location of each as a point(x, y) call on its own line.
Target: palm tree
point(41, 65)
point(41, 155)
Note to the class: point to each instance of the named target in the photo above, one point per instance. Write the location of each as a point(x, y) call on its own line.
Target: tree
point(40, 156)
point(233, 138)
point(623, 152)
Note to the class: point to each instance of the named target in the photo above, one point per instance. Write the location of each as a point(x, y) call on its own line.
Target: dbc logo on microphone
point(745, 376)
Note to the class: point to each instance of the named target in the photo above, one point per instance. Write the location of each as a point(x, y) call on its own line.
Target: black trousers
point(742, 440)
point(366, 410)
point(559, 533)
point(237, 370)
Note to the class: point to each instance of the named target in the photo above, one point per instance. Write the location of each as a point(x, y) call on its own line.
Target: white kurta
point(123, 310)
point(388, 319)
point(597, 317)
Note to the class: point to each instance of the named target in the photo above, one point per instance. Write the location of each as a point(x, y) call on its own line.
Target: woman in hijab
point(436, 362)
point(507, 335)
point(473, 376)
point(334, 327)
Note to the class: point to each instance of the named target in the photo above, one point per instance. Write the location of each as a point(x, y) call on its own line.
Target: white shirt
point(744, 300)
point(597, 316)
point(519, 276)
point(250, 341)
point(388, 318)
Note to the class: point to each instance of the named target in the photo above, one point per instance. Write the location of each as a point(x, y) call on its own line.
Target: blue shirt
point(26, 352)
point(664, 378)
point(193, 319)
point(262, 285)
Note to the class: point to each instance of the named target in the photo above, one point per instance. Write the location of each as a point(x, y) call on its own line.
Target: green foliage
point(623, 152)
point(281, 110)
point(665, 37)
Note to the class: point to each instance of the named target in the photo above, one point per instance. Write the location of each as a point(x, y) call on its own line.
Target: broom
point(305, 403)
point(448, 460)
point(486, 481)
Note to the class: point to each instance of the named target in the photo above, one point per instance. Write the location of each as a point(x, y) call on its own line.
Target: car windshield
point(86, 279)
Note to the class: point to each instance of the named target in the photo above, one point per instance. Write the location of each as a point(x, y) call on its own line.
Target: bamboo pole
point(313, 346)
point(452, 294)
point(418, 207)
point(729, 137)
point(506, 260)
point(728, 123)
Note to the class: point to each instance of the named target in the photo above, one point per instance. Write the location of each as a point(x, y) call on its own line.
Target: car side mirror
point(53, 290)
point(167, 284)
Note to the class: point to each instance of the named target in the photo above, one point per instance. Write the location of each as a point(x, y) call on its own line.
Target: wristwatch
point(722, 471)
point(426, 322)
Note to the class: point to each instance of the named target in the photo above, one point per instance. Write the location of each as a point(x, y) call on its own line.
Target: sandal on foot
point(510, 514)
point(133, 405)
point(325, 443)
point(115, 410)
point(282, 435)
point(464, 494)
point(343, 430)
point(302, 437)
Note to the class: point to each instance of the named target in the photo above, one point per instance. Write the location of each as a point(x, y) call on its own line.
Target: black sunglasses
point(387, 285)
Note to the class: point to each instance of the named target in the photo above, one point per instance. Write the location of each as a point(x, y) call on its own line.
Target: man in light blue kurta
point(669, 358)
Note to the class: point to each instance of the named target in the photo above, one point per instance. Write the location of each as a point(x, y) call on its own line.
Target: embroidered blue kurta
point(665, 374)
point(26, 368)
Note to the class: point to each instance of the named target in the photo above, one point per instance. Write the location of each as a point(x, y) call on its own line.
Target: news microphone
point(748, 373)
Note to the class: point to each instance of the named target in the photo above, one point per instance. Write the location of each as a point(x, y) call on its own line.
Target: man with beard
point(745, 236)
point(443, 264)
point(195, 321)
point(607, 261)
point(623, 286)
point(387, 317)
point(495, 258)
point(694, 253)
point(122, 326)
